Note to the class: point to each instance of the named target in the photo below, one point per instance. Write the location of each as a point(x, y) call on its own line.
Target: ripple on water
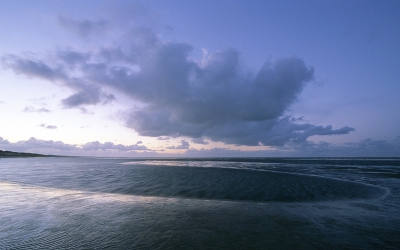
point(243, 185)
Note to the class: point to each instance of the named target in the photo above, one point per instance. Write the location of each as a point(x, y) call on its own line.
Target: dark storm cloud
point(214, 98)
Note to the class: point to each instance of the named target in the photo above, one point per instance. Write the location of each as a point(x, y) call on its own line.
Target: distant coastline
point(18, 154)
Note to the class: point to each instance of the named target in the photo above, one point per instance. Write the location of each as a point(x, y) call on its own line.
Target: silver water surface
point(91, 203)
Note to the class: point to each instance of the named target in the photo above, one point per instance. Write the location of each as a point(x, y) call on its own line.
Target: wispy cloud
point(36, 110)
point(83, 28)
point(48, 126)
point(85, 92)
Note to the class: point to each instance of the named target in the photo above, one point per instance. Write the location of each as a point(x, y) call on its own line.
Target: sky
point(200, 78)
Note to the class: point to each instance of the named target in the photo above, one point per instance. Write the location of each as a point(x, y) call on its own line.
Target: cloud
point(36, 110)
point(199, 141)
point(48, 126)
point(184, 145)
point(217, 101)
point(3, 141)
point(94, 148)
point(83, 28)
point(33, 143)
point(214, 98)
point(364, 148)
point(86, 93)
point(163, 138)
point(111, 146)
point(72, 58)
point(33, 68)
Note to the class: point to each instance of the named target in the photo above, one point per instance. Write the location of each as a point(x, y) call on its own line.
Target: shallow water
point(88, 203)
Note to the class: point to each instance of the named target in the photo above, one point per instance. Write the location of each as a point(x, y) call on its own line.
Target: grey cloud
point(363, 148)
point(72, 58)
point(226, 152)
point(374, 147)
point(367, 147)
point(58, 147)
point(3, 141)
point(216, 99)
point(34, 143)
point(199, 141)
point(48, 126)
point(85, 111)
point(183, 145)
point(163, 138)
point(32, 68)
point(86, 93)
point(274, 132)
point(83, 28)
point(185, 99)
point(36, 110)
point(111, 146)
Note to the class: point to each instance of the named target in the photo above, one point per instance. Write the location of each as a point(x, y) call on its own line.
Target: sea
point(199, 203)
